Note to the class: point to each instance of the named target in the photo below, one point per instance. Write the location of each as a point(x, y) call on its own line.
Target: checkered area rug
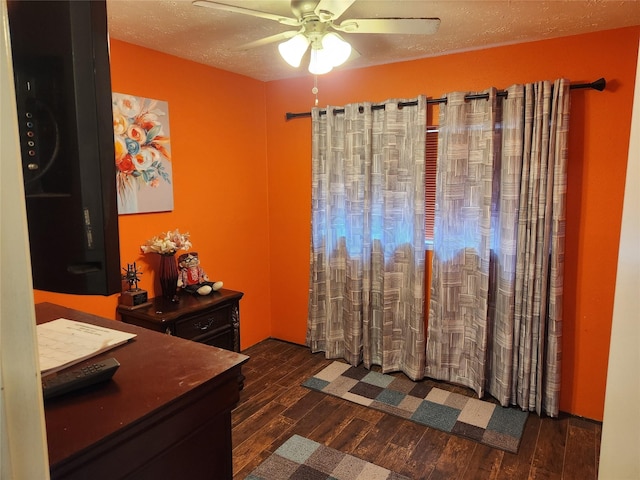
point(302, 459)
point(422, 403)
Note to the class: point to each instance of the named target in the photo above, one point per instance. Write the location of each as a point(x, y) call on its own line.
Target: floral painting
point(143, 154)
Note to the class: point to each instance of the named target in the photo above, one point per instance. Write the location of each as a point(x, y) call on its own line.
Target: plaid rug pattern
point(302, 459)
point(422, 403)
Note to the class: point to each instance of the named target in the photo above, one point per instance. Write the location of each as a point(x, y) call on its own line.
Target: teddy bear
point(192, 277)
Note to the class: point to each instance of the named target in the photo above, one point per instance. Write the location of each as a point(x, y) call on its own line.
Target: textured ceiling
point(209, 36)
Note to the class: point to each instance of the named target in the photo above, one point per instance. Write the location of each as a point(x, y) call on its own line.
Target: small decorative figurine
point(132, 275)
point(134, 297)
point(192, 277)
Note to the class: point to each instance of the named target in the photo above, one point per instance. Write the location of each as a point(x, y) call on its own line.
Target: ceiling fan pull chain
point(314, 90)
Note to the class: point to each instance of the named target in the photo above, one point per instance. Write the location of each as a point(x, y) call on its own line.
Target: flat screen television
point(63, 92)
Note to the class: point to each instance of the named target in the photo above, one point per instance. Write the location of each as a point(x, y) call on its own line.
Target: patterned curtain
point(495, 316)
point(366, 287)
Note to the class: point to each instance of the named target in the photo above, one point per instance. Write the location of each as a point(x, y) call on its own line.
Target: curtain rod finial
point(599, 84)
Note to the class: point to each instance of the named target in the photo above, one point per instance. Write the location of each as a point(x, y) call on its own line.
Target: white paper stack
point(63, 342)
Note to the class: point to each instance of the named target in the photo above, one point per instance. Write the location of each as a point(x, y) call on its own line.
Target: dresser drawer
point(201, 324)
point(221, 338)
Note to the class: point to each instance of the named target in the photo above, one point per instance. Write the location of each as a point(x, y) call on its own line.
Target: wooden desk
point(165, 415)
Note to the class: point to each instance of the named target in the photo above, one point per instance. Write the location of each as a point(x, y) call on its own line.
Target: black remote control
point(68, 381)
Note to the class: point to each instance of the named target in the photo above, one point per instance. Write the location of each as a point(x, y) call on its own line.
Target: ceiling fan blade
point(266, 40)
point(293, 22)
point(332, 9)
point(419, 26)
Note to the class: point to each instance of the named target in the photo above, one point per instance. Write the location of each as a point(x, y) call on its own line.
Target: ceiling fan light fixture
point(338, 49)
point(293, 49)
point(320, 62)
point(328, 52)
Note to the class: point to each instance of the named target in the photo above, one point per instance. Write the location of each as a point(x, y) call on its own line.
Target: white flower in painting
point(120, 122)
point(148, 120)
point(145, 158)
point(129, 106)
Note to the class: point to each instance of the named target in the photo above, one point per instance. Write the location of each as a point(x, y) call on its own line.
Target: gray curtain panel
point(495, 315)
point(366, 285)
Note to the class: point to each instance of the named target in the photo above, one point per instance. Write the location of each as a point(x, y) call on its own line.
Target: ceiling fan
point(316, 27)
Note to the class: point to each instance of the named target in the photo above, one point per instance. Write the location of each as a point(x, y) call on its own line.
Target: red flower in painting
point(125, 165)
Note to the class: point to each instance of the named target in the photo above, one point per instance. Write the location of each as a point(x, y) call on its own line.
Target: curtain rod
point(599, 85)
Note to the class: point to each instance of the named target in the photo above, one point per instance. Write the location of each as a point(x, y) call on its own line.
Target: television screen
point(63, 92)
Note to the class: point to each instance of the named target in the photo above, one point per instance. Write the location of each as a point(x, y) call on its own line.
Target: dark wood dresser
point(212, 319)
point(165, 414)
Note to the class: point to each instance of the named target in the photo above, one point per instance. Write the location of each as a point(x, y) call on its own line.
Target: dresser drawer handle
point(204, 326)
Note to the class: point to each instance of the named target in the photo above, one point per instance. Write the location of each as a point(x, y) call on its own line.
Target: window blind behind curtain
point(431, 160)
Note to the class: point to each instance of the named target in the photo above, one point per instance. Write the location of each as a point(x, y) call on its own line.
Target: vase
point(169, 276)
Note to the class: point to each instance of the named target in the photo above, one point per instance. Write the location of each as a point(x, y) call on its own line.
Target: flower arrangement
point(140, 145)
point(167, 243)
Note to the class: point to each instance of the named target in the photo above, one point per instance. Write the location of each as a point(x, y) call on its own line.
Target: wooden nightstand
point(212, 319)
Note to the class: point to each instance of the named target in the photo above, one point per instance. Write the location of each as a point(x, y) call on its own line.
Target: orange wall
point(242, 178)
point(218, 144)
point(600, 126)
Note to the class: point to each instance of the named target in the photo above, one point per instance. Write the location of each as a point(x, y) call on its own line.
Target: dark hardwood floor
point(273, 406)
